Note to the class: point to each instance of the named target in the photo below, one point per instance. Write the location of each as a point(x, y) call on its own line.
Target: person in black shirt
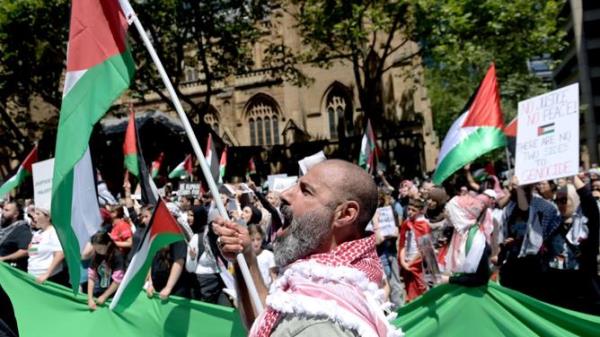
point(15, 236)
point(166, 272)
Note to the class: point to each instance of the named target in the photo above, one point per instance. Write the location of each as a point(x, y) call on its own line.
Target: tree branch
point(403, 61)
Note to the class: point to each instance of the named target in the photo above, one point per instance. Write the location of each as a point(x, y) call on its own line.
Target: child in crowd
point(411, 262)
point(106, 270)
point(265, 258)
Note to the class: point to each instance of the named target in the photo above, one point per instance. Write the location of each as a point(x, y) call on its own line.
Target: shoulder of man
point(299, 326)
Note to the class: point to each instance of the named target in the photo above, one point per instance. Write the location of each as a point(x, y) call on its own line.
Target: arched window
point(252, 132)
point(211, 119)
point(332, 122)
point(275, 130)
point(268, 140)
point(338, 106)
point(259, 131)
point(263, 110)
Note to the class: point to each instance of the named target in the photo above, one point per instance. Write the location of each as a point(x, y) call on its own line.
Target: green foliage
point(461, 38)
point(369, 35)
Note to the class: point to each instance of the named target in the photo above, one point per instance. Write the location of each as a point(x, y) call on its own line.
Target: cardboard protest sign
point(42, 183)
point(283, 183)
point(387, 222)
point(548, 136)
point(271, 179)
point(307, 162)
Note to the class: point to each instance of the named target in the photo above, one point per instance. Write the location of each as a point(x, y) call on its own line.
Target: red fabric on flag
point(31, 158)
point(162, 221)
point(98, 31)
point(511, 129)
point(130, 144)
point(485, 109)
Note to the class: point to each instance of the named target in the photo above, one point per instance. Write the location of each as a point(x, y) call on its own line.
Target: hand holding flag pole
point(132, 18)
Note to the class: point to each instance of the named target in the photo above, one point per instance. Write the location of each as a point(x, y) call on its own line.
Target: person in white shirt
point(264, 257)
point(45, 252)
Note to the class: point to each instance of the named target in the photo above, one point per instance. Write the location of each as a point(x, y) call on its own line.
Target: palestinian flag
point(251, 167)
point(477, 131)
point(367, 158)
point(134, 160)
point(23, 172)
point(510, 131)
point(99, 69)
point(222, 165)
point(211, 157)
point(156, 165)
point(162, 231)
point(545, 129)
point(182, 169)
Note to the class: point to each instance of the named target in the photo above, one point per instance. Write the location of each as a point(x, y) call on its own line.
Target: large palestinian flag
point(99, 69)
point(477, 131)
point(23, 172)
point(162, 231)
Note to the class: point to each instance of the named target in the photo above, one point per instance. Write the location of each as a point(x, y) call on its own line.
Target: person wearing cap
point(46, 256)
point(409, 257)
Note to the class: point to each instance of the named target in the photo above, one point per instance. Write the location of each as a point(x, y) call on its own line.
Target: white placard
point(387, 223)
point(283, 183)
point(307, 162)
point(271, 179)
point(42, 183)
point(192, 189)
point(548, 136)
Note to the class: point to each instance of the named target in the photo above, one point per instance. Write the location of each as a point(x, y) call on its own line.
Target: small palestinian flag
point(156, 165)
point(222, 165)
point(251, 167)
point(545, 129)
point(134, 160)
point(211, 157)
point(477, 131)
point(368, 150)
point(185, 168)
point(162, 231)
point(23, 172)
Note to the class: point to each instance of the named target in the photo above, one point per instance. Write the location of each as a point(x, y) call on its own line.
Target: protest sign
point(548, 136)
point(387, 223)
point(283, 183)
point(271, 179)
point(192, 189)
point(42, 183)
point(310, 161)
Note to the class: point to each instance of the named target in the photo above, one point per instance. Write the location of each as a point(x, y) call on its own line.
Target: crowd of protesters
point(539, 239)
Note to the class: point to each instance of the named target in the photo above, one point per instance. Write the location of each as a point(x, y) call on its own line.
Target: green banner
point(451, 310)
point(51, 310)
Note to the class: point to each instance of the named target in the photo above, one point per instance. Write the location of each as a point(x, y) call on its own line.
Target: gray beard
point(304, 236)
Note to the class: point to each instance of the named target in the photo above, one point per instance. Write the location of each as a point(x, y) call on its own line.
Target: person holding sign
point(528, 222)
point(571, 277)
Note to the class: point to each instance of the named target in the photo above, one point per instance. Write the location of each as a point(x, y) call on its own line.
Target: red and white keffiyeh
point(341, 285)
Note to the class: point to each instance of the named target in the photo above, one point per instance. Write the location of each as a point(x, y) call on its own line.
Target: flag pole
point(132, 17)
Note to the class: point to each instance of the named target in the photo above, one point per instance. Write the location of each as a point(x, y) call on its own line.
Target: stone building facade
point(256, 109)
